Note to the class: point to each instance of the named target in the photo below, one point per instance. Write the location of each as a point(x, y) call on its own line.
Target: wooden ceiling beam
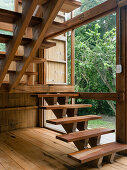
point(86, 17)
point(21, 25)
point(50, 11)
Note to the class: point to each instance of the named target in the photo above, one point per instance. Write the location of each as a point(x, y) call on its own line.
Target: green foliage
point(95, 62)
point(7, 4)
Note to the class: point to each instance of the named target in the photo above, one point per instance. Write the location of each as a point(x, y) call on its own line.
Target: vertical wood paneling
point(55, 67)
point(10, 120)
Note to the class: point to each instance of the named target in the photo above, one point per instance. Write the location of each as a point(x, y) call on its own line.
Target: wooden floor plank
point(1, 167)
point(48, 136)
point(47, 149)
point(8, 163)
point(18, 157)
point(42, 139)
point(29, 149)
point(35, 155)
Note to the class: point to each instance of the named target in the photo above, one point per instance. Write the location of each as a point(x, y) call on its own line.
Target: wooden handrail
point(102, 96)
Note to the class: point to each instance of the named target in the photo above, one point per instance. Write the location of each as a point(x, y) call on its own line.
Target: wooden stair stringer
point(50, 11)
point(67, 127)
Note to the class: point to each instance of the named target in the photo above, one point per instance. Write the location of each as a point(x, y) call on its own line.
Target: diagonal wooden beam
point(86, 17)
point(50, 11)
point(20, 27)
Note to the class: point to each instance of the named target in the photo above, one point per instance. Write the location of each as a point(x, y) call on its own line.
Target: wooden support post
point(72, 54)
point(110, 158)
point(65, 110)
point(95, 141)
point(121, 79)
point(41, 113)
point(97, 163)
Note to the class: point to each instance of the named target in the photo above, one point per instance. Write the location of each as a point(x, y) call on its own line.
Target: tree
point(95, 50)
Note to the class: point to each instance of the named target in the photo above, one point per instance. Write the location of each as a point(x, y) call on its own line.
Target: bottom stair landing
point(38, 149)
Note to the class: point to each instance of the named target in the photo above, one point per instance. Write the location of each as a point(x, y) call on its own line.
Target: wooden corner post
point(121, 78)
point(72, 54)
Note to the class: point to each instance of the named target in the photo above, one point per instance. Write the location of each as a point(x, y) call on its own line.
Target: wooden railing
point(102, 96)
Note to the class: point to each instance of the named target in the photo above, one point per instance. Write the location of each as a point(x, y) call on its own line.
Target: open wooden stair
point(98, 153)
point(67, 106)
point(18, 23)
point(67, 120)
point(86, 140)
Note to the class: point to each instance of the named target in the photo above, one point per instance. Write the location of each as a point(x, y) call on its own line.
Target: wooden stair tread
point(67, 120)
point(58, 95)
point(85, 134)
point(90, 154)
point(29, 73)
point(47, 44)
point(20, 58)
point(5, 38)
point(70, 5)
point(17, 57)
point(11, 17)
point(38, 60)
point(67, 106)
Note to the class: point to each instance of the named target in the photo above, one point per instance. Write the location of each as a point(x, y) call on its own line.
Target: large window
point(7, 4)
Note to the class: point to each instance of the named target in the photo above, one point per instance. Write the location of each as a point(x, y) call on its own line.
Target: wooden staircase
point(19, 23)
point(86, 140)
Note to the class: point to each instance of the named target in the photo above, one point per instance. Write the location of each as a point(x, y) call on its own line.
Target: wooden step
point(17, 57)
point(85, 134)
point(10, 17)
point(28, 73)
point(67, 120)
point(58, 95)
point(20, 58)
point(20, 83)
point(94, 153)
point(67, 106)
point(70, 5)
point(6, 38)
point(47, 44)
point(37, 60)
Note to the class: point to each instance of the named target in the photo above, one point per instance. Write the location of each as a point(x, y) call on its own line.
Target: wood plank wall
point(55, 67)
point(18, 110)
point(13, 117)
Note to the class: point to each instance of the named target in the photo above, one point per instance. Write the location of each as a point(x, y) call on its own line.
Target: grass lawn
point(107, 122)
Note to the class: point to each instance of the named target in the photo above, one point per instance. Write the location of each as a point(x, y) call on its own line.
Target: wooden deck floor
point(37, 149)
